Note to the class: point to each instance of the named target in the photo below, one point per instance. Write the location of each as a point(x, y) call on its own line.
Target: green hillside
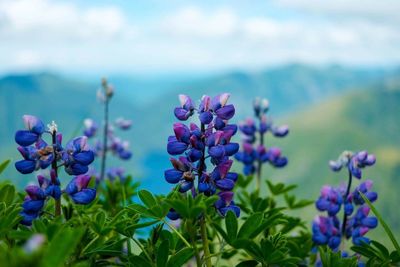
point(360, 120)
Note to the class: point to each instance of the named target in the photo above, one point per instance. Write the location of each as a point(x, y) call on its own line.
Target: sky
point(157, 36)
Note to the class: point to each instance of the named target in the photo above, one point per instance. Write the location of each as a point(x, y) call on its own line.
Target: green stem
point(143, 250)
point(206, 248)
point(105, 133)
point(259, 164)
point(345, 199)
point(57, 206)
point(177, 232)
point(193, 231)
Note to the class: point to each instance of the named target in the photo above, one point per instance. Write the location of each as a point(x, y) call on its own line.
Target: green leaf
point(162, 254)
point(384, 251)
point(4, 165)
point(221, 231)
point(249, 263)
point(382, 222)
point(250, 225)
point(180, 258)
point(7, 193)
point(147, 198)
point(138, 261)
point(231, 225)
point(61, 247)
point(279, 188)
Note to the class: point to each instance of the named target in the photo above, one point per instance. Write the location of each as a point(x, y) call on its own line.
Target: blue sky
point(157, 36)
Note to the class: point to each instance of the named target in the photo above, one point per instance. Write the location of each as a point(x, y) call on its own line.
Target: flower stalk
point(54, 167)
point(105, 130)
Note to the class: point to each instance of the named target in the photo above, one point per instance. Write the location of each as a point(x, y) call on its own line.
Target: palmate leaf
point(180, 258)
point(251, 225)
point(382, 222)
point(4, 165)
point(162, 254)
point(61, 247)
point(279, 188)
point(147, 198)
point(293, 204)
point(334, 259)
point(7, 194)
point(231, 225)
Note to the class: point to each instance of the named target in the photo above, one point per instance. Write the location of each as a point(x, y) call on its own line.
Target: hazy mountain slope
point(289, 88)
point(360, 120)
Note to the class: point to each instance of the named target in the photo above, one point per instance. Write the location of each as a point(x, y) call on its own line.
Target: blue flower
point(78, 191)
point(182, 173)
point(326, 231)
point(90, 128)
point(34, 129)
point(330, 200)
point(50, 186)
point(360, 224)
point(186, 109)
point(77, 156)
point(35, 157)
point(254, 155)
point(196, 146)
point(225, 204)
point(33, 204)
point(353, 161)
point(120, 148)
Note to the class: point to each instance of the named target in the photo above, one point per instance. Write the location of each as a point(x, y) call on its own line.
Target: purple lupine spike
point(254, 157)
point(356, 221)
point(212, 139)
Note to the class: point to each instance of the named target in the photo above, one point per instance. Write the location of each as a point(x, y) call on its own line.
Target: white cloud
point(45, 20)
point(61, 35)
point(381, 10)
point(194, 22)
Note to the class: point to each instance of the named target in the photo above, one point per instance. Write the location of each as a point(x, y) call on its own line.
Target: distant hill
point(68, 101)
point(356, 121)
point(328, 109)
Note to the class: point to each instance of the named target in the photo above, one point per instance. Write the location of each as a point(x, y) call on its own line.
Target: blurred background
point(329, 68)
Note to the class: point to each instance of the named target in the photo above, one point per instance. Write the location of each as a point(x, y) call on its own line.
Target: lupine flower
point(123, 124)
point(173, 215)
point(330, 200)
point(51, 186)
point(353, 161)
point(116, 173)
point(77, 156)
point(35, 157)
point(365, 188)
point(37, 154)
point(78, 191)
point(211, 140)
point(225, 204)
point(326, 231)
point(34, 130)
point(353, 226)
point(110, 143)
point(120, 148)
point(91, 128)
point(253, 155)
point(360, 224)
point(34, 243)
point(186, 109)
point(33, 204)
